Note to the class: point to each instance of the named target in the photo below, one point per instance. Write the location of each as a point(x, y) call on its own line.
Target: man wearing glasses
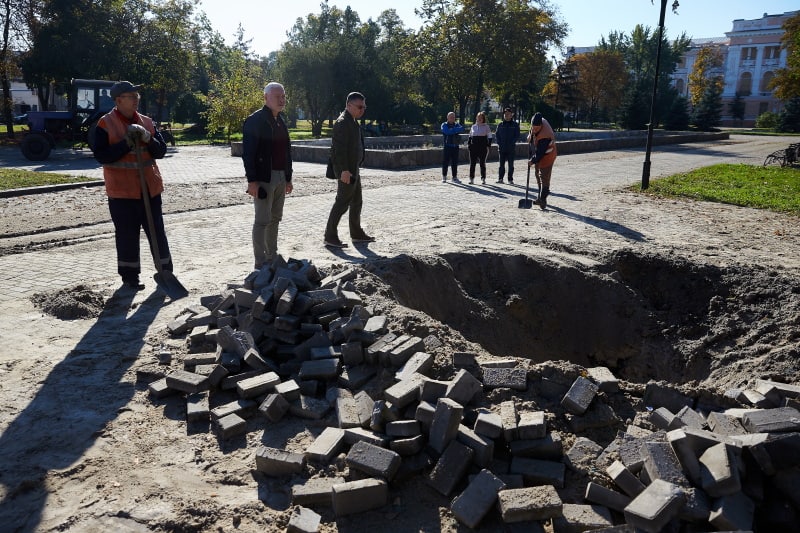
point(347, 155)
point(119, 133)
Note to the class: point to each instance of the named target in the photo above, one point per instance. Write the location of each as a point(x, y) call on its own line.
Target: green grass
point(773, 188)
point(11, 178)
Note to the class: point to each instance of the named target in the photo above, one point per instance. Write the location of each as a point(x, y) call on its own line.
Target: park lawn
point(773, 188)
point(12, 178)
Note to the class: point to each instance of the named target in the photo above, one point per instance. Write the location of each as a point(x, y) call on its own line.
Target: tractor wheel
point(36, 147)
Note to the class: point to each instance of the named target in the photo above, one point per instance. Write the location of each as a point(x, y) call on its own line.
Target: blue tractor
point(88, 101)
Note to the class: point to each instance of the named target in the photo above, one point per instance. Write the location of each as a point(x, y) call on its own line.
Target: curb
point(24, 191)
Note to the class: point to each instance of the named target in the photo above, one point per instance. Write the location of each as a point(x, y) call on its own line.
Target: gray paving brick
point(509, 378)
point(471, 506)
point(604, 378)
point(529, 503)
point(539, 472)
point(531, 425)
point(276, 462)
point(578, 518)
point(719, 471)
point(579, 396)
point(445, 423)
point(652, 510)
point(230, 425)
point(303, 520)
point(451, 467)
point(373, 460)
point(777, 420)
point(188, 382)
point(606, 497)
point(358, 496)
point(315, 491)
point(463, 387)
point(327, 445)
point(548, 448)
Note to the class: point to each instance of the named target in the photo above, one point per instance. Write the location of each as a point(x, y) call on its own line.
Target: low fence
point(425, 150)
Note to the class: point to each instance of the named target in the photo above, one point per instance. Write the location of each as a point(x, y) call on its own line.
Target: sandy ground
point(703, 296)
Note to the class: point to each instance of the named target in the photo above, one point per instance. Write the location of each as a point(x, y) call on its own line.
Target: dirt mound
point(72, 303)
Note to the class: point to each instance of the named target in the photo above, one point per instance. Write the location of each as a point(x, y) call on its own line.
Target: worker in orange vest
point(119, 132)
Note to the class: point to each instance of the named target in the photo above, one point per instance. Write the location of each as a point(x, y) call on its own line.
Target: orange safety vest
point(122, 176)
point(550, 154)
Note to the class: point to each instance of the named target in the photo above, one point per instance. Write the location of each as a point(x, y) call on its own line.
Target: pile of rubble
point(290, 342)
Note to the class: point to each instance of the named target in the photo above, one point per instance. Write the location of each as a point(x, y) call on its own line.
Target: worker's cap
point(122, 87)
point(536, 120)
point(508, 110)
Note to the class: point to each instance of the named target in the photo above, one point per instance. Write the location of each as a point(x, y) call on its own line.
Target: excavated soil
point(69, 304)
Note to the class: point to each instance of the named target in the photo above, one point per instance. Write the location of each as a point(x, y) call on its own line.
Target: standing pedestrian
point(119, 134)
point(506, 135)
point(267, 158)
point(480, 138)
point(450, 130)
point(347, 156)
point(542, 153)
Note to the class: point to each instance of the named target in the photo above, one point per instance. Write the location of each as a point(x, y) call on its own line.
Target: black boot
point(542, 201)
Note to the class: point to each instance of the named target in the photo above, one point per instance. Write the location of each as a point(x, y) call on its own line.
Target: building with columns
point(751, 54)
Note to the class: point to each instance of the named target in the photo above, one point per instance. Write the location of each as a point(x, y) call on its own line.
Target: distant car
point(21, 119)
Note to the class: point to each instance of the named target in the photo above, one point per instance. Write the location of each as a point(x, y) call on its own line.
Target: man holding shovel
point(120, 133)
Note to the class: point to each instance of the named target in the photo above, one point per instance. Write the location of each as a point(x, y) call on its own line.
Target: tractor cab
point(88, 101)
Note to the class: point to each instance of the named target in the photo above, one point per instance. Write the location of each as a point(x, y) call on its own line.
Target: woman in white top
point(480, 138)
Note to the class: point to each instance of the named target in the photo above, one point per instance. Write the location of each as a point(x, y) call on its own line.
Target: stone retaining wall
point(423, 150)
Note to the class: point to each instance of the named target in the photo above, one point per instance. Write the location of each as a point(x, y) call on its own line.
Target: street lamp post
point(646, 167)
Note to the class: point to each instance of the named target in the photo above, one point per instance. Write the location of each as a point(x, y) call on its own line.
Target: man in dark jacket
point(347, 155)
point(267, 157)
point(506, 136)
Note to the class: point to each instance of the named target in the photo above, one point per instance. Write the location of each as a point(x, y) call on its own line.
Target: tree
point(234, 97)
point(677, 118)
point(601, 80)
point(467, 47)
point(639, 50)
point(737, 107)
point(707, 113)
point(325, 58)
point(707, 71)
point(787, 80)
point(8, 65)
point(789, 118)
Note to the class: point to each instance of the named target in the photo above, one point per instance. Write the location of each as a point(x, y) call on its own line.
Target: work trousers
point(129, 217)
point(268, 215)
point(348, 196)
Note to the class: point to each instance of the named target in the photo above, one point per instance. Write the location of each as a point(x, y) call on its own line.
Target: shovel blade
point(168, 283)
point(525, 204)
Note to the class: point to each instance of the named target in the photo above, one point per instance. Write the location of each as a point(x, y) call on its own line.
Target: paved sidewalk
point(588, 214)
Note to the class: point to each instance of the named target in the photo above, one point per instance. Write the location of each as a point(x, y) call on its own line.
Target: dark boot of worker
point(542, 200)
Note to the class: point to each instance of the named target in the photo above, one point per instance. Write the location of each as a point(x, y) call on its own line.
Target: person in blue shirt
point(450, 146)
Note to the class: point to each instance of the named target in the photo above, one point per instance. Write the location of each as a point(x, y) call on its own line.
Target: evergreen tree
point(736, 107)
point(678, 117)
point(789, 120)
point(708, 112)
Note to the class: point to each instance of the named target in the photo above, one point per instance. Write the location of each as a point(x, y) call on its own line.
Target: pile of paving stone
point(291, 343)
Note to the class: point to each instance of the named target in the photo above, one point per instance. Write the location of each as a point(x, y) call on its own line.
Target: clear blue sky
point(267, 21)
